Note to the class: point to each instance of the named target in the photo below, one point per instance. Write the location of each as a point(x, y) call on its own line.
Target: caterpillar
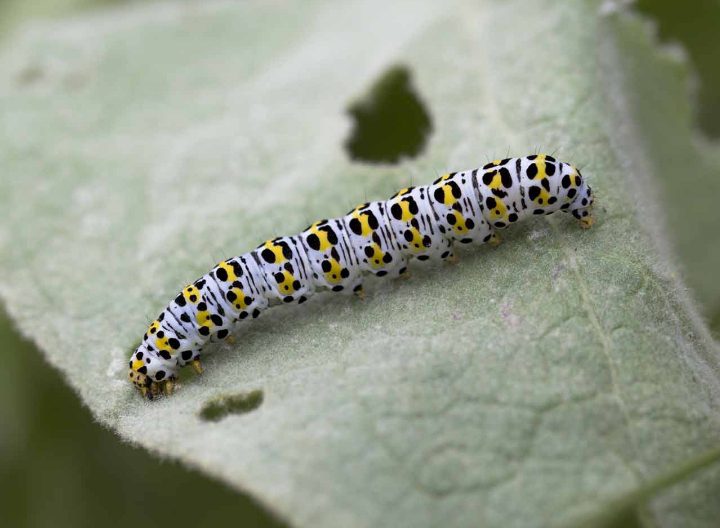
point(379, 238)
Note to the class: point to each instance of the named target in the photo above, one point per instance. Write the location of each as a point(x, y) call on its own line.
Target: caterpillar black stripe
point(377, 237)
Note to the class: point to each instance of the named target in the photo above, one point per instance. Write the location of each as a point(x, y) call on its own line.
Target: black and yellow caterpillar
point(423, 222)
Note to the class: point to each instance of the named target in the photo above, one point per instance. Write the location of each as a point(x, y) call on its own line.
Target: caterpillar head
point(141, 381)
point(149, 373)
point(581, 205)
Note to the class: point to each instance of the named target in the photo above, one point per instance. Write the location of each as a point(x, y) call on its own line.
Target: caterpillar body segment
point(380, 238)
point(456, 202)
point(371, 237)
point(333, 261)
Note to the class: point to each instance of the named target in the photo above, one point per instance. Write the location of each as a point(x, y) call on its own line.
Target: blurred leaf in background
point(60, 468)
point(696, 26)
point(14, 12)
point(693, 217)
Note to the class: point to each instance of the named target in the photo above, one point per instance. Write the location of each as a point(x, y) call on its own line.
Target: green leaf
point(696, 30)
point(547, 382)
point(683, 159)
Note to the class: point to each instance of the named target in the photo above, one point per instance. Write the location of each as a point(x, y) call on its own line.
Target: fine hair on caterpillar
point(379, 238)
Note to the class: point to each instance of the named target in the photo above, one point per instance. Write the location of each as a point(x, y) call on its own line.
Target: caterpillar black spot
point(377, 237)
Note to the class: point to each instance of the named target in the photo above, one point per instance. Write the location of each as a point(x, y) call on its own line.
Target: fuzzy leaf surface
point(541, 383)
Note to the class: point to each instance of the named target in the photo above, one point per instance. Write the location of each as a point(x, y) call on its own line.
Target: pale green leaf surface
point(539, 383)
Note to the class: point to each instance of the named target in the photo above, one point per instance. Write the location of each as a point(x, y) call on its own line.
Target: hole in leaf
point(218, 408)
point(390, 121)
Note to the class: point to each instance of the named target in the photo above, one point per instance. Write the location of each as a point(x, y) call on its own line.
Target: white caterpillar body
point(380, 237)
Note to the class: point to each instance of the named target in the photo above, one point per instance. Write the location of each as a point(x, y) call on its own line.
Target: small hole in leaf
point(218, 408)
point(390, 122)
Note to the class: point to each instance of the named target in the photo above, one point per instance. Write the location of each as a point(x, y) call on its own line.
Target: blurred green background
point(59, 468)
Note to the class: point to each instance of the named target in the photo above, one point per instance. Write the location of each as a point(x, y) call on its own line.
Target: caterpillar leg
point(197, 366)
point(452, 259)
point(586, 222)
point(155, 388)
point(359, 292)
point(495, 240)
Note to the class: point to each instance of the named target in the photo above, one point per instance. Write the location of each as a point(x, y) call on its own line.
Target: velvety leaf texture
point(561, 379)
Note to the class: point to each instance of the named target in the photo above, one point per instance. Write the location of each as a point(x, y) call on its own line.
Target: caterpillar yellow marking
point(163, 344)
point(543, 198)
point(229, 270)
point(448, 196)
point(496, 182)
point(285, 285)
point(322, 237)
point(204, 318)
point(499, 211)
point(542, 170)
point(405, 208)
point(277, 250)
point(237, 297)
point(401, 192)
point(416, 242)
point(363, 218)
point(333, 274)
point(459, 226)
point(191, 294)
point(377, 258)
